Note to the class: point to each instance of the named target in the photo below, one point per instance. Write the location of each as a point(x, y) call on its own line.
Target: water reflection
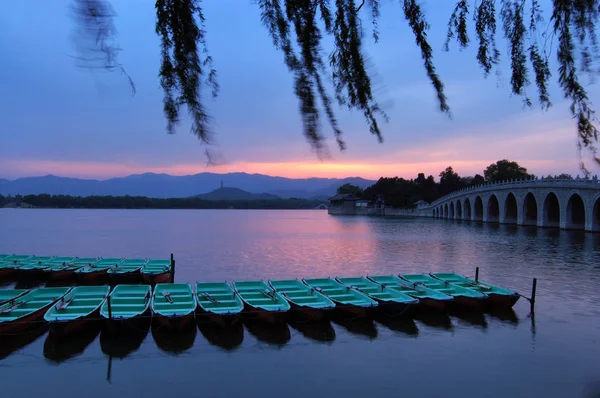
point(400, 324)
point(277, 334)
point(228, 339)
point(359, 326)
point(121, 340)
point(506, 316)
point(13, 343)
point(321, 331)
point(435, 320)
point(470, 318)
point(174, 342)
point(59, 348)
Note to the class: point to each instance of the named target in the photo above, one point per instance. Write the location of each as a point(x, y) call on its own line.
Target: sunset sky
point(63, 120)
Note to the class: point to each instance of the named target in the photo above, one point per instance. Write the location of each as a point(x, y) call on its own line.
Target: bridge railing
point(533, 182)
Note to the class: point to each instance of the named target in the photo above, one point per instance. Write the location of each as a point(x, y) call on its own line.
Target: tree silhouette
point(298, 29)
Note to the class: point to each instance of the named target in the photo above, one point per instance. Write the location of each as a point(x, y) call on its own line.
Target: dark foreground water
point(556, 353)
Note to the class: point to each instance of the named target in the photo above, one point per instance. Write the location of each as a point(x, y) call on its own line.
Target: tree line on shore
point(400, 192)
point(142, 202)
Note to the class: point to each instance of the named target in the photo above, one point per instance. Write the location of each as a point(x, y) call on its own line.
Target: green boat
point(32, 268)
point(428, 298)
point(173, 305)
point(218, 302)
point(65, 270)
point(97, 272)
point(304, 301)
point(28, 310)
point(68, 259)
point(3, 256)
point(390, 301)
point(76, 309)
point(262, 301)
point(7, 295)
point(462, 296)
point(7, 268)
point(496, 296)
point(17, 258)
point(127, 270)
point(157, 271)
point(346, 299)
point(128, 304)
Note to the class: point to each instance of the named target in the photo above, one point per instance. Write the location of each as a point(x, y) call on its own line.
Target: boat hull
point(469, 303)
point(175, 322)
point(354, 310)
point(273, 317)
point(93, 278)
point(6, 272)
point(430, 304)
point(140, 322)
point(35, 319)
point(502, 301)
point(223, 320)
point(310, 314)
point(60, 275)
point(393, 308)
point(63, 328)
point(125, 277)
point(153, 279)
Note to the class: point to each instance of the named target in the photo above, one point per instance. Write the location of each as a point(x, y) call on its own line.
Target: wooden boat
point(464, 297)
point(127, 271)
point(76, 309)
point(32, 269)
point(391, 302)
point(173, 305)
point(60, 260)
point(157, 271)
point(262, 301)
point(66, 270)
point(429, 299)
point(305, 301)
point(7, 295)
point(127, 305)
point(346, 299)
point(98, 271)
point(219, 303)
point(496, 296)
point(3, 256)
point(7, 268)
point(28, 310)
point(17, 258)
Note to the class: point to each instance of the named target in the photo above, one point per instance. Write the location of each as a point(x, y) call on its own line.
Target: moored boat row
point(175, 305)
point(87, 270)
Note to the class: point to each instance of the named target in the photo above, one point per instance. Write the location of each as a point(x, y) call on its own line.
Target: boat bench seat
point(174, 306)
point(263, 301)
point(269, 307)
point(306, 299)
point(221, 304)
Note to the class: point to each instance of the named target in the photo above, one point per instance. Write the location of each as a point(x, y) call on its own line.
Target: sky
point(58, 118)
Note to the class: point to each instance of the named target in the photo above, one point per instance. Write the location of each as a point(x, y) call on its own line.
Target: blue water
point(555, 353)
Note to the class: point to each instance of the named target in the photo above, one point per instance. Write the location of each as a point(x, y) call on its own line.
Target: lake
point(555, 353)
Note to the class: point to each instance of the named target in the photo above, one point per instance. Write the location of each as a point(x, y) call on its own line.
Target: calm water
point(554, 354)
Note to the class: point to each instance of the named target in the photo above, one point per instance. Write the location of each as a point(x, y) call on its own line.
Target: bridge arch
point(467, 209)
point(551, 210)
point(459, 212)
point(446, 210)
point(510, 209)
point(451, 210)
point(596, 215)
point(575, 212)
point(530, 209)
point(493, 209)
point(478, 208)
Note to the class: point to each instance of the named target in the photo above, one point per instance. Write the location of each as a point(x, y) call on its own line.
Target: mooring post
point(109, 307)
point(533, 292)
point(172, 269)
point(476, 274)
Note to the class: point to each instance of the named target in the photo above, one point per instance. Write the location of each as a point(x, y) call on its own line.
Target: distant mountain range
point(168, 186)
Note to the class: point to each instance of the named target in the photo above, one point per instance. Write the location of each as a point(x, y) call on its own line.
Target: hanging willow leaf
point(298, 29)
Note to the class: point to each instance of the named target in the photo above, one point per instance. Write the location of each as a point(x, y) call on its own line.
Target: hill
point(168, 186)
point(227, 193)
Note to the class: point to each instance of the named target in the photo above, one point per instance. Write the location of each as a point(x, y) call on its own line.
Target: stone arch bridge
point(567, 204)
